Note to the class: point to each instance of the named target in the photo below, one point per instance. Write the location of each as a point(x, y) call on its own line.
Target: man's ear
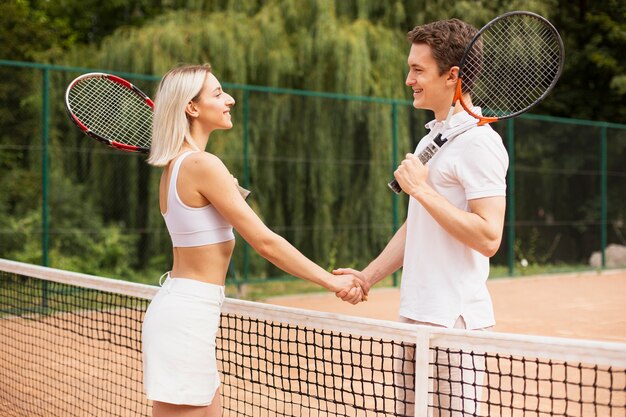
point(191, 109)
point(453, 75)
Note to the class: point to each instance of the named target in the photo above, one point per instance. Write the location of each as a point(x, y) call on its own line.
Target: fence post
point(510, 195)
point(44, 181)
point(394, 164)
point(246, 174)
point(44, 167)
point(603, 193)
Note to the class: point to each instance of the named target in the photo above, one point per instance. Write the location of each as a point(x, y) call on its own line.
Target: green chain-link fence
point(317, 164)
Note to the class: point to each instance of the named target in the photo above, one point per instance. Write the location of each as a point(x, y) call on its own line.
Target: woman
point(201, 204)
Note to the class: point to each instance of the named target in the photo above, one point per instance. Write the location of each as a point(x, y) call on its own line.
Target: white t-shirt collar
point(458, 119)
point(459, 123)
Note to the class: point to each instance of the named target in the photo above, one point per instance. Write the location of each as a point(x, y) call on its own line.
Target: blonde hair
point(170, 125)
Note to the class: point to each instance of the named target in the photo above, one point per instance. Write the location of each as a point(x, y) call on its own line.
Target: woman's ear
point(191, 109)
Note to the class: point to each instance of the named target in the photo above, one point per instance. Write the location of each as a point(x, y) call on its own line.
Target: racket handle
point(393, 184)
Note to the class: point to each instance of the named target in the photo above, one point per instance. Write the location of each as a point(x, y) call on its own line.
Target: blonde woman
point(201, 204)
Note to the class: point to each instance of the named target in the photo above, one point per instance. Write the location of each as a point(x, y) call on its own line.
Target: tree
point(336, 151)
point(593, 85)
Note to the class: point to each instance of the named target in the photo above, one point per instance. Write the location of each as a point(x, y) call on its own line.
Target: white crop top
point(193, 226)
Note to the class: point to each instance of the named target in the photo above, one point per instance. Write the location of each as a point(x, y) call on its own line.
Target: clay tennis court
point(587, 305)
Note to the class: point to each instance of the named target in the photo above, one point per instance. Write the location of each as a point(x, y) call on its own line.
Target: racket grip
point(393, 184)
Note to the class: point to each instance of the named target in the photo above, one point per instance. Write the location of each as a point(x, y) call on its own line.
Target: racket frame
point(482, 120)
point(425, 155)
point(107, 141)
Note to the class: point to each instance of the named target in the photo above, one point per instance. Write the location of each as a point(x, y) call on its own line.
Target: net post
point(423, 373)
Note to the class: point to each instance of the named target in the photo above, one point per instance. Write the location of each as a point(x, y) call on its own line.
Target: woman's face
point(213, 105)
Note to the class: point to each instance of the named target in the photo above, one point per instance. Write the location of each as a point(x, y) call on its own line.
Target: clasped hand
point(356, 292)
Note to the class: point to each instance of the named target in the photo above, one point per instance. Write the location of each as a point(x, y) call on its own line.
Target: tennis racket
point(113, 111)
point(509, 66)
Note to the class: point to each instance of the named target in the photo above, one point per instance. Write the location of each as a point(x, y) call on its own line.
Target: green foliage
point(535, 250)
point(25, 31)
point(79, 240)
point(357, 57)
point(317, 166)
point(592, 85)
point(102, 251)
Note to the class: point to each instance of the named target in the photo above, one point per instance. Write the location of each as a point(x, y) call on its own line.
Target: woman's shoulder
point(202, 158)
point(203, 162)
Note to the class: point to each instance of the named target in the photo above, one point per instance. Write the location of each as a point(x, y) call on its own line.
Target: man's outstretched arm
point(386, 263)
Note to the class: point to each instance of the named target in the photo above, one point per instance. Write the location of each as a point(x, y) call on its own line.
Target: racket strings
point(112, 111)
point(519, 63)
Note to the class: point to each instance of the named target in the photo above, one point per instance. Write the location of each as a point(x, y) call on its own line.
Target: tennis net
point(70, 345)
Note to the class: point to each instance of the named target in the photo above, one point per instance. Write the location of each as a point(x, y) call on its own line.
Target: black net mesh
point(69, 351)
point(72, 351)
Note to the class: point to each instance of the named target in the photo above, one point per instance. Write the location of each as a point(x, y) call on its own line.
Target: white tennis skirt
point(178, 335)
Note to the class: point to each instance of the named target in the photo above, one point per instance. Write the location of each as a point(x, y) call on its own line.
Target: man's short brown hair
point(447, 40)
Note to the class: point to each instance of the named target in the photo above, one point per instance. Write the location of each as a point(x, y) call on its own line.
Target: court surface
point(587, 305)
point(87, 361)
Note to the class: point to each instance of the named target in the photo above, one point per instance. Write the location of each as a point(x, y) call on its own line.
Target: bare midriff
point(207, 263)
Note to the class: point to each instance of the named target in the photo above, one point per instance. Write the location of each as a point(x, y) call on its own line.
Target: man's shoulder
point(482, 131)
point(481, 147)
point(482, 137)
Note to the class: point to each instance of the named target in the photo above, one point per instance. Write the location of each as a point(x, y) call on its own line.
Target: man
point(455, 218)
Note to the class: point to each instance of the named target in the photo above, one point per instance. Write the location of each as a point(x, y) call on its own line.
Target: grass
point(261, 289)
point(502, 271)
point(273, 287)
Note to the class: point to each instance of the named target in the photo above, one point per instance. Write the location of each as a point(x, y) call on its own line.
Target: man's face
point(431, 90)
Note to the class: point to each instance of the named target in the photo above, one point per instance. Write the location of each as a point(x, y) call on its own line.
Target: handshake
point(353, 285)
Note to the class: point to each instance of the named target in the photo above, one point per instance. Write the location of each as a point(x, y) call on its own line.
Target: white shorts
point(178, 335)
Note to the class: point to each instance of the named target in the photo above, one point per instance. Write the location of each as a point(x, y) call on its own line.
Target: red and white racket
point(111, 110)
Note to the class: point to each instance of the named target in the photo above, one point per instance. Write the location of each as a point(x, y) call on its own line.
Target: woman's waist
point(214, 274)
point(206, 264)
point(204, 289)
point(211, 276)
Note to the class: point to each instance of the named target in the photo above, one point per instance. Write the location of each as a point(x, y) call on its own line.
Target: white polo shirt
point(442, 278)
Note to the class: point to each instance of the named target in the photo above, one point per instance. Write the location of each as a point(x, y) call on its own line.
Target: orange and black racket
point(510, 65)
